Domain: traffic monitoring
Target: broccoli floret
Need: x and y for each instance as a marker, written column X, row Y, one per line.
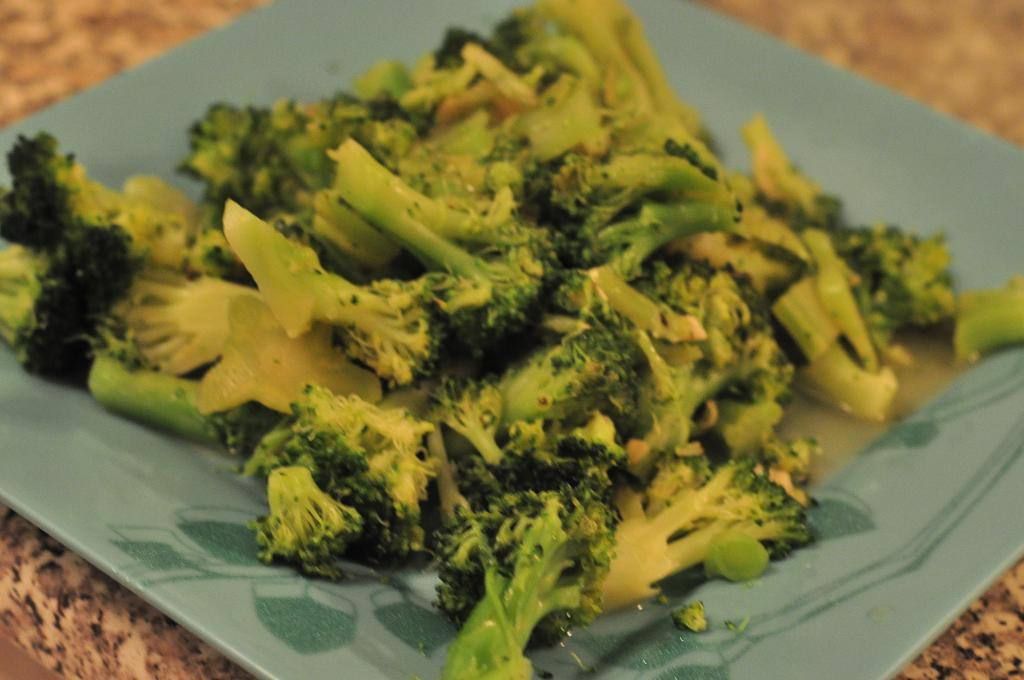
column 989, row 319
column 530, row 565
column 179, row 324
column 485, row 297
column 305, row 525
column 614, row 36
column 273, row 159
column 170, row 403
column 54, row 206
column 474, row 410
column 261, row 363
column 371, row 458
column 670, row 527
column 387, row 325
column 591, row 369
column 690, row 617
column 386, row 79
column 737, row 357
column 905, row 278
column 595, row 191
column 41, row 316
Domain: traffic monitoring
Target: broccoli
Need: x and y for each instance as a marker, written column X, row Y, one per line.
column 904, row 277
column 485, row 297
column 273, row 160
column 261, row 363
column 370, row 458
column 615, row 39
column 171, row 403
column 179, row 324
column 305, row 525
column 738, row 357
column 835, row 378
column 41, row 316
column 783, row 188
column 474, row 409
column 596, row 191
column 989, row 319
column 591, row 369
column 690, row 617
column 670, row 527
column 530, row 565
column 387, row 325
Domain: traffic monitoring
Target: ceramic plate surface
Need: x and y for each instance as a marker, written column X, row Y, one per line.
column 911, row 531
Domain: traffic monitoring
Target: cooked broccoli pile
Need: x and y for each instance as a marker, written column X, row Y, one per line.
column 505, row 308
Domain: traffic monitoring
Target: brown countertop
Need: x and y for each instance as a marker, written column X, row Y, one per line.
column 964, row 57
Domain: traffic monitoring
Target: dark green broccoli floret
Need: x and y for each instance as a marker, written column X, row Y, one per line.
column 591, row 369
column 670, row 526
column 305, row 525
column 370, row 458
column 272, row 160
column 904, row 277
column 169, row 403
column 530, row 565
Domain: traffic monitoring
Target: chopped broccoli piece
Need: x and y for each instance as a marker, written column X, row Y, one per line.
column 371, row 458
column 387, row 325
column 305, row 525
column 170, row 403
column 261, row 363
column 529, row 565
column 989, row 319
column 690, row 617
column 672, row 526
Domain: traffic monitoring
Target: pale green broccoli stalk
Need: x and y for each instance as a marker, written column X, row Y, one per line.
column 170, row 403
column 780, row 184
column 800, row 311
column 305, row 525
column 387, row 325
column 657, row 319
column 833, row 282
column 672, row 525
column 835, row 378
column 987, row 320
column 261, row 363
column 567, row 119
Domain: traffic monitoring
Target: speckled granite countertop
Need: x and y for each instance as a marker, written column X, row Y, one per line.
column 964, row 57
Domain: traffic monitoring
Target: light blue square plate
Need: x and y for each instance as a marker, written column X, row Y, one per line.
column 911, row 531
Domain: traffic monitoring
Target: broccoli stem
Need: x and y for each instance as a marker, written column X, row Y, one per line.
column 342, row 227
column 156, row 399
column 990, row 319
column 400, row 211
column 659, row 321
column 644, row 174
column 837, row 298
column 802, row 314
column 834, row 377
column 657, row 224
